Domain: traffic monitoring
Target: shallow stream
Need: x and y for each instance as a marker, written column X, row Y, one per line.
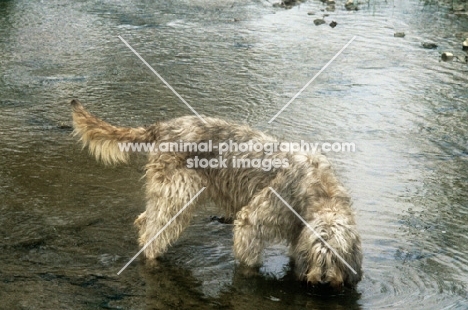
column 66, row 222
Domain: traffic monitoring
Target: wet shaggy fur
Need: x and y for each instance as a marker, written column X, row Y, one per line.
column 308, row 185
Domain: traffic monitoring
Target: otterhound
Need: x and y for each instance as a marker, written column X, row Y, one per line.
column 304, row 180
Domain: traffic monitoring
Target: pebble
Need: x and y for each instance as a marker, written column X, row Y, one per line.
column 319, row 22
column 333, row 24
column 63, row 125
column 458, row 8
column 447, row 56
column 284, row 4
column 429, row 45
column 399, row 34
column 350, row 6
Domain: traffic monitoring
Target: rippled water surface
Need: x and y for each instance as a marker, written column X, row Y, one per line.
column 66, row 221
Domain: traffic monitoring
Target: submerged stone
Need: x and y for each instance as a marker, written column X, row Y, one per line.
column 447, row 56
column 319, row 22
column 429, row 45
column 465, row 45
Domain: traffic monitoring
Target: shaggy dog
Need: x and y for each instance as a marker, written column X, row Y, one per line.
column 304, row 180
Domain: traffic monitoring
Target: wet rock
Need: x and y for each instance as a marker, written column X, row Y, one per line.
column 447, row 56
column 350, row 6
column 310, row 13
column 108, row 259
column 465, row 45
column 333, row 24
column 182, row 55
column 330, row 8
column 429, row 45
column 287, row 4
column 461, row 35
column 319, row 21
column 458, row 7
column 399, row 34
column 282, row 5
column 63, row 125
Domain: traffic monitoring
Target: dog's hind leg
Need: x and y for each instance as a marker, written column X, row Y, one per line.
column 168, row 190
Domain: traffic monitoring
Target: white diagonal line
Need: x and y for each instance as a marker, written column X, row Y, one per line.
column 316, row 234
column 161, row 78
column 315, row 76
column 161, row 230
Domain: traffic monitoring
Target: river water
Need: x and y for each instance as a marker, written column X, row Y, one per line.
column 66, row 221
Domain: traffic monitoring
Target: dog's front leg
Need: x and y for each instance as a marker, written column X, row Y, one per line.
column 262, row 221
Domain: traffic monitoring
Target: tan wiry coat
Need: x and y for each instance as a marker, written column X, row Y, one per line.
column 308, row 185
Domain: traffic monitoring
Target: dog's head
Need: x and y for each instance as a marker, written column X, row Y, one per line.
column 328, row 252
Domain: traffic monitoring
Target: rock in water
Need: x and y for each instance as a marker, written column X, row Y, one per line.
column 319, row 22
column 429, row 45
column 447, row 56
column 399, row 34
column 350, row 6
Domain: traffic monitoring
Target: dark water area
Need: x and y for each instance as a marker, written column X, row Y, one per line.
column 66, row 222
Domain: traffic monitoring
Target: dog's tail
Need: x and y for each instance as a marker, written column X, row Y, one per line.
column 107, row 143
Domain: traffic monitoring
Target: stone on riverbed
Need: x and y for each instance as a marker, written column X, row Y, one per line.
column 429, row 45
column 447, row 56
column 319, row 21
column 350, row 6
